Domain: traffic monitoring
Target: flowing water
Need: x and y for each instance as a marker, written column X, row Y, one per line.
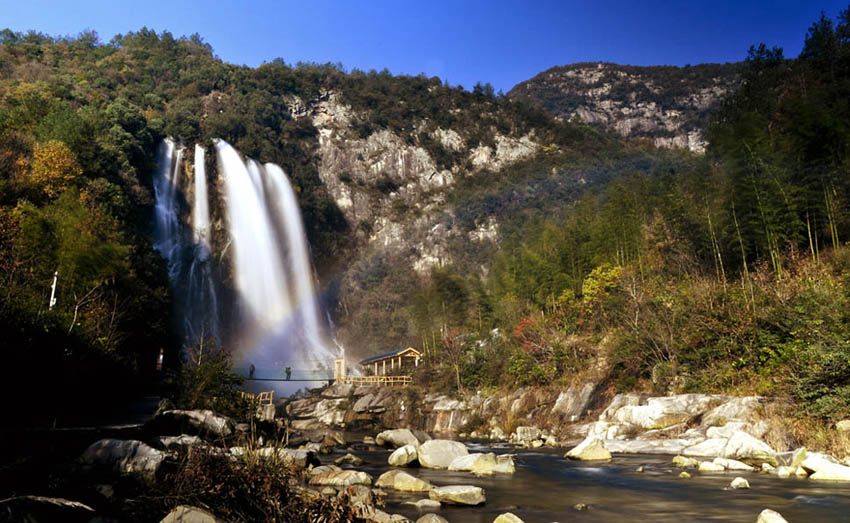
column 275, row 317
column 546, row 487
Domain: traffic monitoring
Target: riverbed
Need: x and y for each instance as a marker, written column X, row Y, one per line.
column 546, row 487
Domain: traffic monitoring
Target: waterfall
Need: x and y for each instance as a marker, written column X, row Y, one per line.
column 201, row 209
column 275, row 316
column 201, row 314
column 168, row 233
column 285, row 203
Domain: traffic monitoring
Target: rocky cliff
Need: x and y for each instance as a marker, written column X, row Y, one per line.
column 670, row 106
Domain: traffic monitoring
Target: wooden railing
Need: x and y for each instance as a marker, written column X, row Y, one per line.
column 377, row 380
column 261, row 398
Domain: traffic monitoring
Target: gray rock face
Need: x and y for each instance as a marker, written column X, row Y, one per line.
column 458, row 495
column 124, row 457
column 38, row 509
column 616, row 97
column 439, row 453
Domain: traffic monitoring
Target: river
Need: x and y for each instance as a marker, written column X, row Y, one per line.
column 546, row 487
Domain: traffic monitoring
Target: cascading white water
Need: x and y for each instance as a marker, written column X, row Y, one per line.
column 285, row 204
column 257, row 268
column 201, row 209
column 168, row 233
column 277, row 312
column 201, row 318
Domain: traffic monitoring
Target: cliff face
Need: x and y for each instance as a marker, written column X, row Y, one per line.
column 670, row 106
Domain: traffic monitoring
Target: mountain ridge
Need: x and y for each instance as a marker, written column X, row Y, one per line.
column 668, row 105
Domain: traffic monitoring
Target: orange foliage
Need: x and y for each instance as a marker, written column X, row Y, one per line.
column 54, row 167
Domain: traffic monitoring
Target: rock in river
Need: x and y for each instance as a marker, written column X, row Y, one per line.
column 402, row 481
column 403, row 456
column 770, row 516
column 458, row 495
column 439, row 453
column 507, row 517
column 478, row 463
column 340, row 478
column 396, row 438
column 591, row 449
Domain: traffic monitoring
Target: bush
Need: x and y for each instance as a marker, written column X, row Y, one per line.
column 243, row 490
column 209, row 382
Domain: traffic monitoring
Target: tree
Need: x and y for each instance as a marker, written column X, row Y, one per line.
column 54, row 168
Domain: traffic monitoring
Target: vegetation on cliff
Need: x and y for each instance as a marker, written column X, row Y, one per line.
column 730, row 274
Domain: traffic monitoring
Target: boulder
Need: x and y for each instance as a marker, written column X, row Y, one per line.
column 40, row 508
column 706, row 449
column 504, row 464
column 525, row 435
column 708, row 466
column 189, row 514
column 742, row 446
column 432, row 518
column 831, row 472
column 387, row 479
column 507, row 517
column 683, row 462
column 739, row 483
column 403, row 456
column 124, row 457
column 340, row 478
column 684, row 475
column 396, row 438
column 181, row 442
column 770, row 516
column 349, row 459
column 198, row 422
column 458, row 495
column 843, row 425
column 405, row 482
column 767, row 468
column 740, row 409
column 733, row 464
column 591, row 449
column 665, row 411
column 573, row 402
column 815, row 461
column 439, row 453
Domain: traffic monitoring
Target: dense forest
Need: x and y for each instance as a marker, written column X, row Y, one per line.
column 729, row 273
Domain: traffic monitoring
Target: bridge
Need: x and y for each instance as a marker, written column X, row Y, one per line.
column 336, row 373
column 288, row 373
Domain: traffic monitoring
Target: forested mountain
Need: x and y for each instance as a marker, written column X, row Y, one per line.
column 518, row 247
column 666, row 105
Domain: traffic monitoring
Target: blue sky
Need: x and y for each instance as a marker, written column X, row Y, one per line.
column 498, row 41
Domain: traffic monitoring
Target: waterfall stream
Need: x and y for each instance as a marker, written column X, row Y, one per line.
column 274, row 316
